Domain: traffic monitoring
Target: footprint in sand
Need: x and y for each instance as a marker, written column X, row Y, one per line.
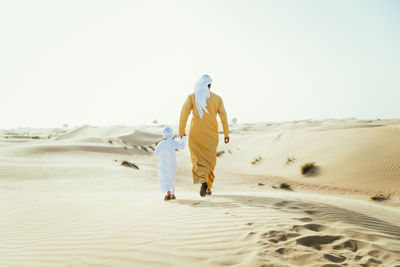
column 280, row 250
column 358, row 257
column 315, row 241
column 250, row 235
column 372, row 260
column 375, row 253
column 312, row 212
column 305, row 219
column 269, row 233
column 335, row 258
column 311, row 226
column 278, row 236
column 350, row 244
column 280, row 204
column 285, row 250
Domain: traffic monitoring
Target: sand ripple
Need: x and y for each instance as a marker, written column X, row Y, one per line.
column 123, row 229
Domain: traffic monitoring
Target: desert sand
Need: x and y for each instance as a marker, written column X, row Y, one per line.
column 66, row 200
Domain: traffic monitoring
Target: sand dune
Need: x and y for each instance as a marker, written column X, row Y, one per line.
column 350, row 155
column 125, row 134
column 66, row 200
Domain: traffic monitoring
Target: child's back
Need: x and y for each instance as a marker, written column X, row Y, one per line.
column 166, row 151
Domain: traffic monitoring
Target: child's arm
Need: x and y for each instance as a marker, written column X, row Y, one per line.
column 181, row 143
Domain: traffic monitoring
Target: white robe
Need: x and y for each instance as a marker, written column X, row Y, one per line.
column 167, row 163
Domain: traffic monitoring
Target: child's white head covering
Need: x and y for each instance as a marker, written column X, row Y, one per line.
column 202, row 93
column 168, row 132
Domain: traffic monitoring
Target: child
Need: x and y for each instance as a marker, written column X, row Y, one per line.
column 166, row 151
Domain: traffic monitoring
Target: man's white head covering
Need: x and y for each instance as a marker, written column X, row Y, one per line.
column 202, row 92
column 168, row 132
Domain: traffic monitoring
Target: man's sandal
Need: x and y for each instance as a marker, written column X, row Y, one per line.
column 203, row 189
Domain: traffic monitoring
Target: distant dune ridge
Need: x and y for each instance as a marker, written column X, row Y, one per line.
column 66, row 200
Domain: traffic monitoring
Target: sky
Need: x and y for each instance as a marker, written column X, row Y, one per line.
column 132, row 62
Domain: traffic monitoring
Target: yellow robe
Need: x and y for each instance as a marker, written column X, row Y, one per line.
column 203, row 136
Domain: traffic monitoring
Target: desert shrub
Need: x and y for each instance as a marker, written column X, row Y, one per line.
column 285, row 186
column 219, row 153
column 308, row 168
column 256, row 160
column 143, row 148
column 380, row 197
column 290, row 160
column 129, row 164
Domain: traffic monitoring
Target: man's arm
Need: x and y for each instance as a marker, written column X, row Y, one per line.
column 224, row 119
column 185, row 112
column 180, row 144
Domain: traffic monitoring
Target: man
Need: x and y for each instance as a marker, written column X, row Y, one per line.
column 203, row 137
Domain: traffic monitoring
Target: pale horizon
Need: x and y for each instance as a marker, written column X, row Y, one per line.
column 132, row 62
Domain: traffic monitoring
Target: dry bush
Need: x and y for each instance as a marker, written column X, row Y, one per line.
column 309, row 168
column 290, row 160
column 380, row 197
column 285, row 186
column 129, row 164
column 143, row 148
column 256, row 160
column 220, row 153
